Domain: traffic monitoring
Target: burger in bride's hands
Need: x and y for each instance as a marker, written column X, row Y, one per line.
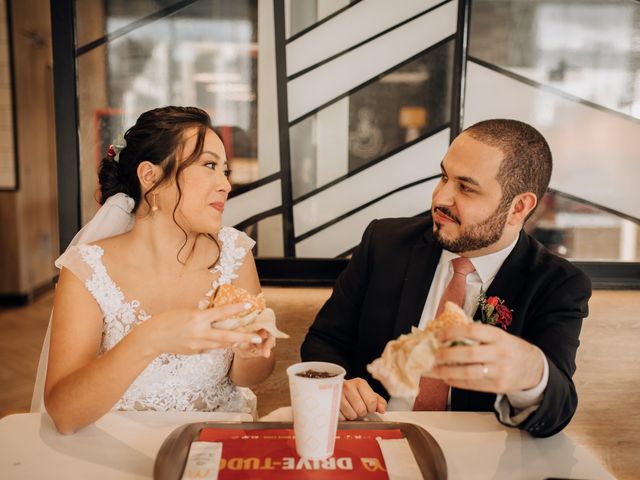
column 411, row 356
column 258, row 318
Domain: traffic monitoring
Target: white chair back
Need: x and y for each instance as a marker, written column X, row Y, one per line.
column 37, row 399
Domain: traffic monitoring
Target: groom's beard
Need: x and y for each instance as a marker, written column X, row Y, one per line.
column 476, row 236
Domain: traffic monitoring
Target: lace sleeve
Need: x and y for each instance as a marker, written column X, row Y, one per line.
column 234, row 246
column 73, row 261
column 245, row 242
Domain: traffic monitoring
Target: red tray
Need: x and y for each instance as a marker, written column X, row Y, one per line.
column 353, row 447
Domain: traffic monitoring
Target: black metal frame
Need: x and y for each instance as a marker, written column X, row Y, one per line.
column 371, row 163
column 595, row 205
column 371, row 80
column 612, row 275
column 460, row 68
column 349, row 213
column 311, row 272
column 299, row 272
column 108, row 37
column 370, row 39
column 320, row 22
column 14, row 118
column 283, row 129
column 66, row 117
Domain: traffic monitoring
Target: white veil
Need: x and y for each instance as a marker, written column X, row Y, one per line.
column 113, row 218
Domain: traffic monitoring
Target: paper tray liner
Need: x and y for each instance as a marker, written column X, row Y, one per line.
column 278, row 445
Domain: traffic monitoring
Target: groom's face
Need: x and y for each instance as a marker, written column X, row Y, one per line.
column 468, row 212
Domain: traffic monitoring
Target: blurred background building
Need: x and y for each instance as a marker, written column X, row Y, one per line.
column 333, row 113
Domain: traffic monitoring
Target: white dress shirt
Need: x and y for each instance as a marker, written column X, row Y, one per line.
column 513, row 408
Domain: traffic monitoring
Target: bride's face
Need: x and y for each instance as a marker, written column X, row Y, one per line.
column 204, row 184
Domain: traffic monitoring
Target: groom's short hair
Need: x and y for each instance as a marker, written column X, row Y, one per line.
column 527, row 163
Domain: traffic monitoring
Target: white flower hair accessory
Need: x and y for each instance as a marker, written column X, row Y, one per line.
column 115, row 148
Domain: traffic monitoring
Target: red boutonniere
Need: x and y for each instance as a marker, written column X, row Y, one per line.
column 494, row 311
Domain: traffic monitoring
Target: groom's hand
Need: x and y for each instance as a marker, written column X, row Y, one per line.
column 499, row 363
column 358, row 399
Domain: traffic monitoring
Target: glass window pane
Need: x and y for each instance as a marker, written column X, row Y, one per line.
column 90, row 21
column 204, row 55
column 97, row 18
column 303, row 14
column 571, row 69
column 268, row 236
column 400, row 107
column 404, row 105
column 587, row 49
column 579, row 231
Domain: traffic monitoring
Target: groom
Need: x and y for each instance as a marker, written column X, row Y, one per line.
column 472, row 242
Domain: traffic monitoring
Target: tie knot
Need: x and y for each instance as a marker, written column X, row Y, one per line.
column 462, row 265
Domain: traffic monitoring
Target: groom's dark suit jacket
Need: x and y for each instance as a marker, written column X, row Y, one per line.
column 382, row 293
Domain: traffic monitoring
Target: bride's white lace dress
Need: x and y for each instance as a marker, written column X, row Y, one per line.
column 170, row 382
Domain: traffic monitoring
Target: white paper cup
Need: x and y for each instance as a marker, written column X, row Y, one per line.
column 316, row 408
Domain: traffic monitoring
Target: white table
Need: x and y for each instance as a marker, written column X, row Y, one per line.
column 477, row 446
column 123, row 445
column 120, row 445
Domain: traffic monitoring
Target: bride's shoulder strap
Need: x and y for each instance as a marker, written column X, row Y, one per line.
column 232, row 239
column 234, row 246
column 81, row 260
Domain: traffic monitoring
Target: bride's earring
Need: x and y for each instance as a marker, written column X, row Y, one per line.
column 154, row 207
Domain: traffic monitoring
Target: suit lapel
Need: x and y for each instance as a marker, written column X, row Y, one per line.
column 417, row 281
column 510, row 280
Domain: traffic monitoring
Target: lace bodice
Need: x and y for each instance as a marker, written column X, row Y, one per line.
column 170, row 382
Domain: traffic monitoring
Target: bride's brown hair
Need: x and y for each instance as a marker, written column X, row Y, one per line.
column 156, row 137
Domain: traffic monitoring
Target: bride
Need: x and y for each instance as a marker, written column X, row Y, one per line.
column 129, row 330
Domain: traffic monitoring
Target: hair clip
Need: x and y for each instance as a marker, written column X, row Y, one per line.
column 113, row 153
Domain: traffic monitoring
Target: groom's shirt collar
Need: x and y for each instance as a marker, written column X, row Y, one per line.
column 486, row 266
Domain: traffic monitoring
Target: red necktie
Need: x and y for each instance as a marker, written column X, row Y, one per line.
column 434, row 392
